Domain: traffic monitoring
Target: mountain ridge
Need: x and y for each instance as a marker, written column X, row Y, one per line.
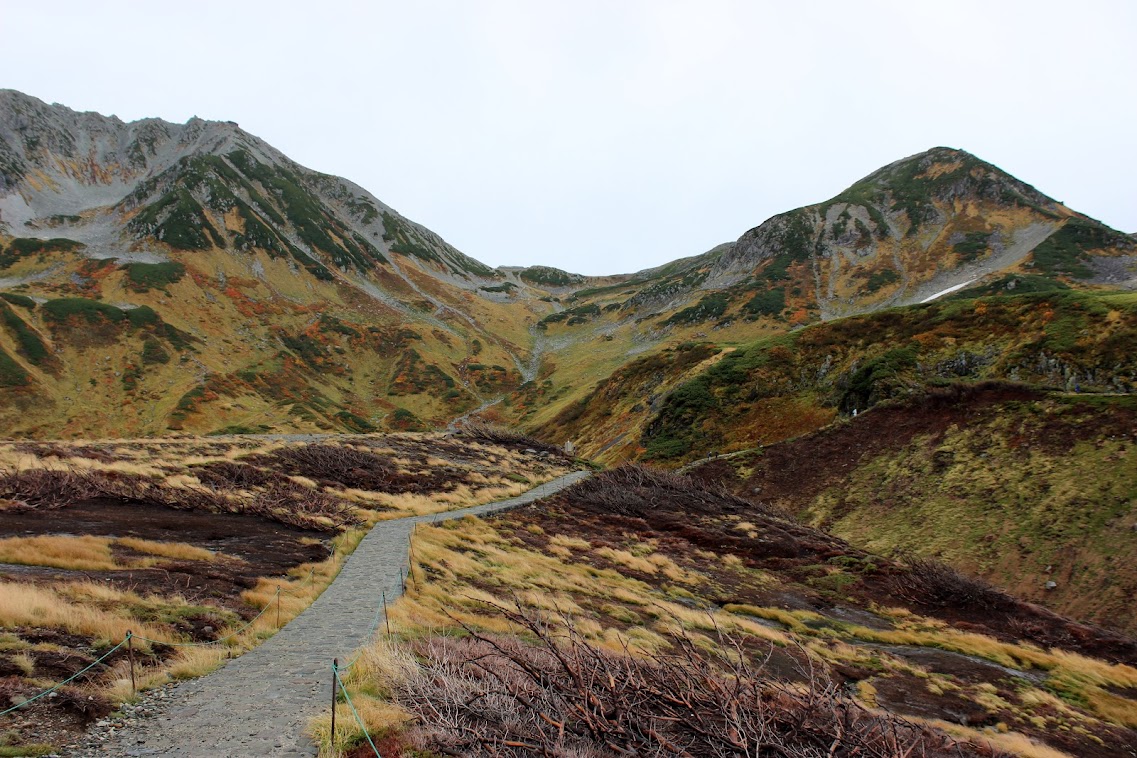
column 264, row 277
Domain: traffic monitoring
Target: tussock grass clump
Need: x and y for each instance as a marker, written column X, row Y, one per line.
column 559, row 695
column 86, row 553
column 497, row 435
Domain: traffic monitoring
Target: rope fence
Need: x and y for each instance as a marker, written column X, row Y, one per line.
column 69, row 679
column 338, row 687
column 128, row 641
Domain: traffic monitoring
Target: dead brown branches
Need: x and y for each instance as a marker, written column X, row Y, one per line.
column 559, row 696
column 298, row 505
column 635, row 490
column 333, row 465
column 48, row 488
column 930, row 583
column 230, row 475
column 480, row 431
column 282, row 500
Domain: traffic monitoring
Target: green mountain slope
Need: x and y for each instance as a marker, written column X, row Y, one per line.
column 788, row 384
column 1022, row 486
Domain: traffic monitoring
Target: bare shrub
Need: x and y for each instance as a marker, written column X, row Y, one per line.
column 297, row 505
column 227, row 474
column 48, row 488
column 931, row 583
column 637, row 490
column 64, row 451
column 283, row 500
column 333, row 465
column 560, row 696
column 479, row 431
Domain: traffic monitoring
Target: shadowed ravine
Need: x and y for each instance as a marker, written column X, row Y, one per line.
column 258, row 704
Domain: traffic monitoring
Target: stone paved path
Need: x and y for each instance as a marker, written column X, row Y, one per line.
column 258, row 704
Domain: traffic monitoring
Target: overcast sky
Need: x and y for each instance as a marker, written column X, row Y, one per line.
column 606, row 137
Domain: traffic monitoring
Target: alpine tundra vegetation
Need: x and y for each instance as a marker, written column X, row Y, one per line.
column 858, row 483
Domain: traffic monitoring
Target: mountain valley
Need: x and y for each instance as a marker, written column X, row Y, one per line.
column 816, row 444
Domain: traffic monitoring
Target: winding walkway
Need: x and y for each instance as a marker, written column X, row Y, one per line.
column 258, row 704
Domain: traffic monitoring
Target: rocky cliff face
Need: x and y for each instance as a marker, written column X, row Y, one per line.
column 921, row 227
column 286, row 289
column 153, row 184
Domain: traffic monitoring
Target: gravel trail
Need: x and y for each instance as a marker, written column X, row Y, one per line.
column 258, row 704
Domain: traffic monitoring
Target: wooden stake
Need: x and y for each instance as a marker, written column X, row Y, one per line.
column 130, row 654
column 278, row 607
column 335, row 685
column 385, row 616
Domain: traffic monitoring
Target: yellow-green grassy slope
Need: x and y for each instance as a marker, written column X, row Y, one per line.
column 1035, row 490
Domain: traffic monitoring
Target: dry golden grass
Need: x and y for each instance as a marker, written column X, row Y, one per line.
column 378, row 670
column 85, row 553
column 600, row 602
column 98, row 610
column 176, row 550
column 472, row 564
column 463, row 496
column 92, row 553
column 573, row 543
column 27, row 605
column 1013, row 742
column 1088, row 678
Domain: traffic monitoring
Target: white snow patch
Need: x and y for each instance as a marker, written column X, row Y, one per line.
column 949, row 290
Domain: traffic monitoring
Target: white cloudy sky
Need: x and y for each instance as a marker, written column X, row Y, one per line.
column 610, row 136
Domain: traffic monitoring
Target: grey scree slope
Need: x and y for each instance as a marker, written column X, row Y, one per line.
column 259, row 703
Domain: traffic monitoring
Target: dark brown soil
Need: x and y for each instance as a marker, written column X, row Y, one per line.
column 261, row 547
column 268, row 548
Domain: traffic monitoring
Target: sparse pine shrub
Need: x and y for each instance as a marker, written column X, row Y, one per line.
column 354, row 422
column 31, row 345
column 549, row 277
column 771, row 302
column 153, row 352
column 144, row 276
column 1064, row 253
column 12, row 374
column 406, row 421
column 974, row 244
column 91, row 311
column 877, row 380
column 880, row 279
column 711, row 306
column 16, row 299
